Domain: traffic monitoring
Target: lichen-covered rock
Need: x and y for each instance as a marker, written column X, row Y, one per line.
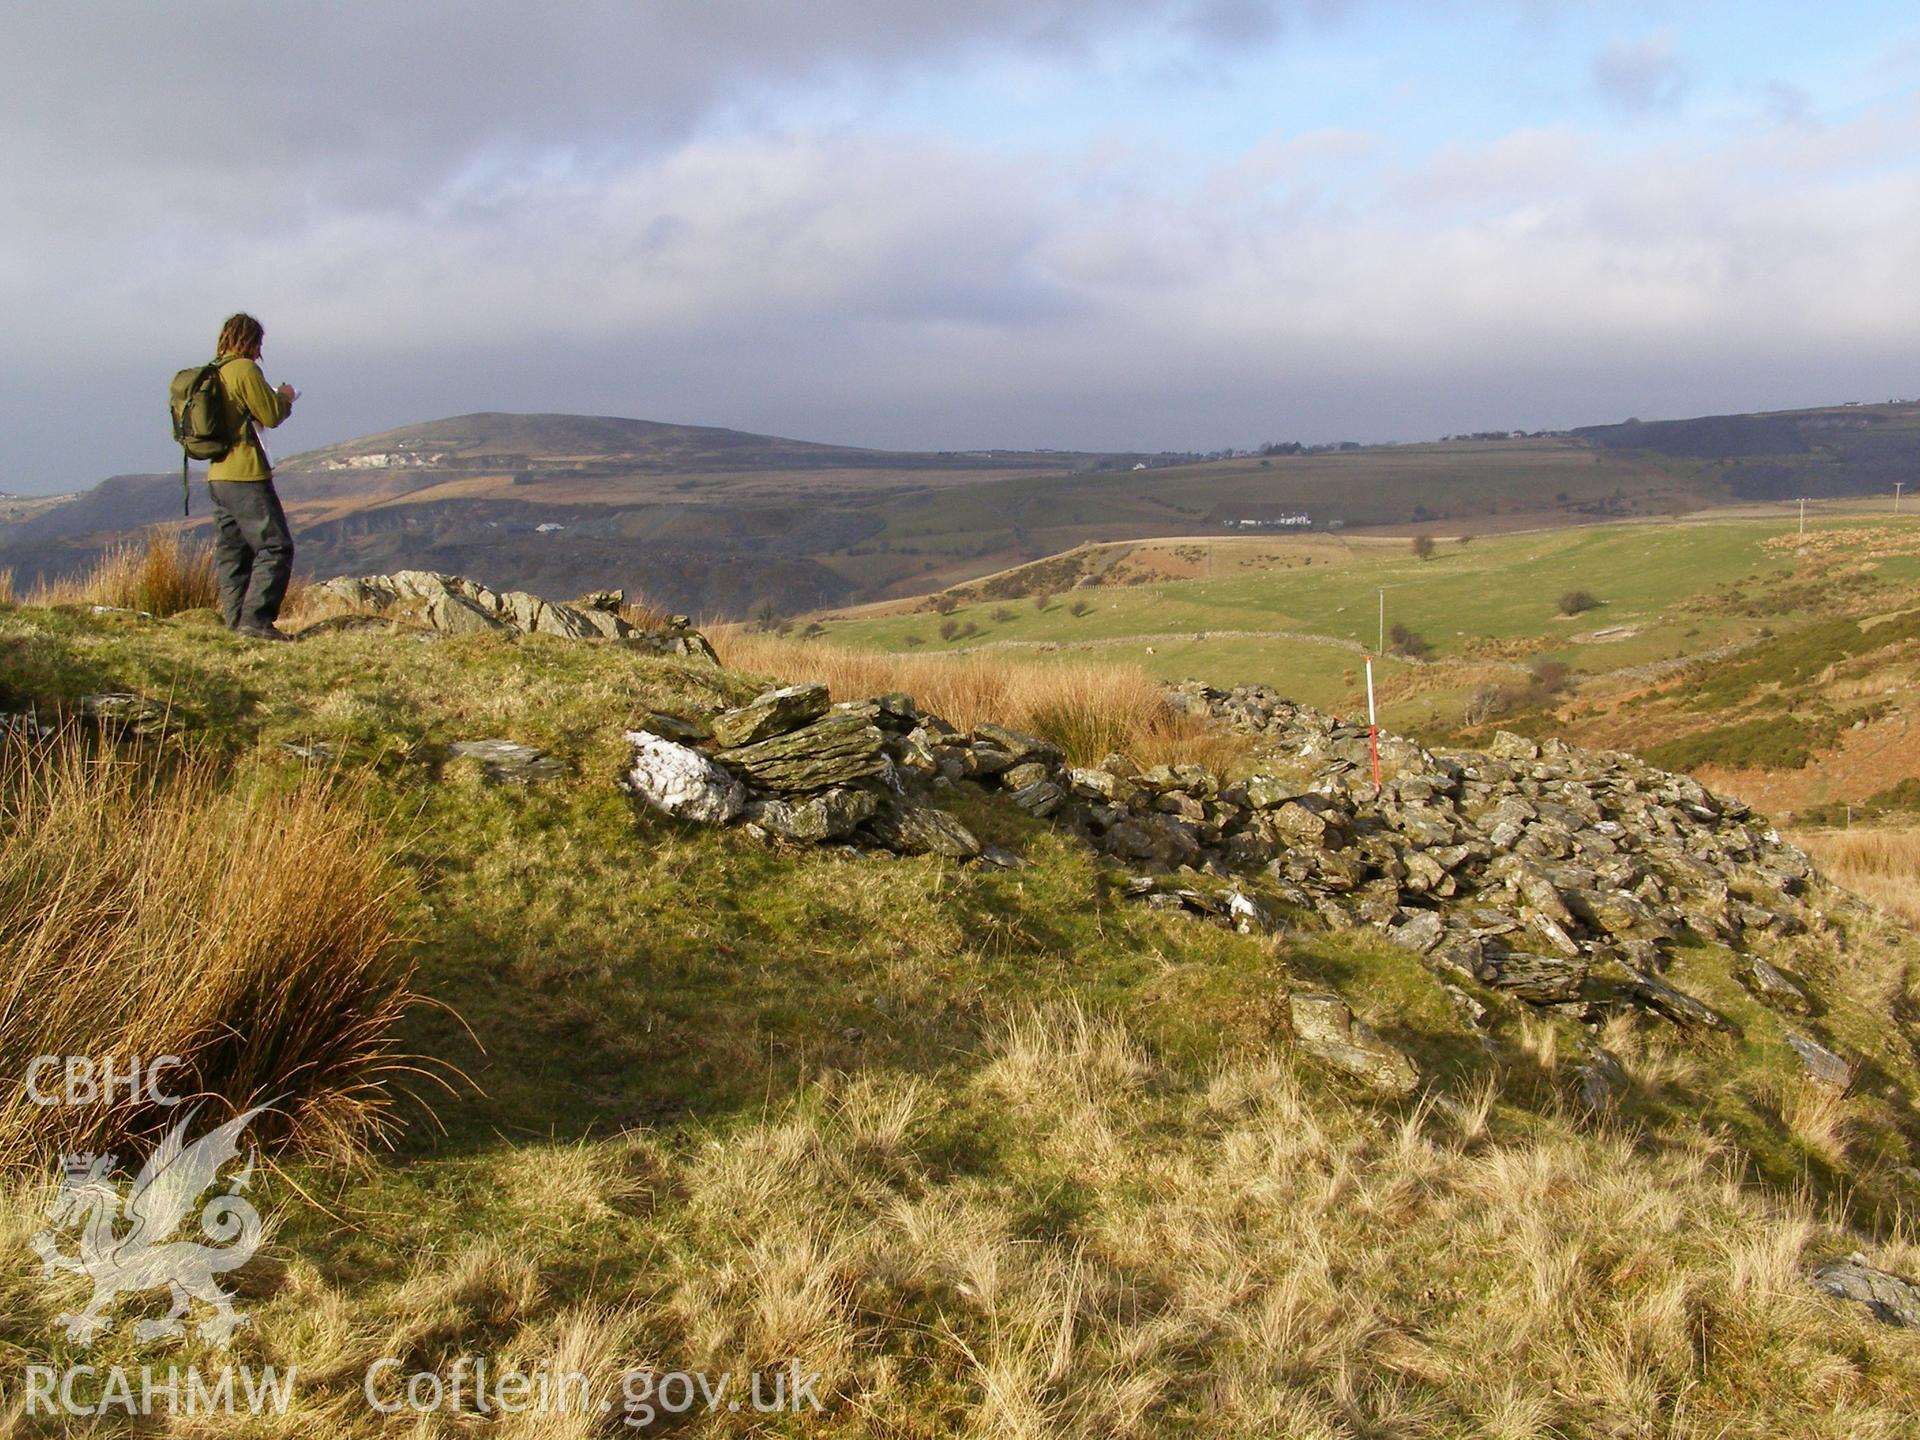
column 687, row 729
column 1097, row 784
column 681, row 781
column 1542, row 979
column 1890, row 1299
column 1014, row 744
column 1603, row 1079
column 923, row 830
column 125, row 713
column 1265, row 792
column 1324, row 1027
column 1420, row 931
column 1041, row 798
column 773, row 713
column 1683, row 1009
column 832, row 815
column 834, row 750
column 1821, row 1064
column 1025, row 773
column 1773, row 986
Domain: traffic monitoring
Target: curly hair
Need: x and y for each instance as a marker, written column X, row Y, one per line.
column 241, row 335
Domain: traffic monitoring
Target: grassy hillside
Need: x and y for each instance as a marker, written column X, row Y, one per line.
column 990, row 1151
column 1694, row 629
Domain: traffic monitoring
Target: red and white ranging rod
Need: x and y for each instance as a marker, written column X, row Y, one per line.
column 1373, row 726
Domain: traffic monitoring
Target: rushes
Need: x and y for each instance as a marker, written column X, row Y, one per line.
column 1087, row 708
column 162, row 575
column 148, row 910
column 1880, row 863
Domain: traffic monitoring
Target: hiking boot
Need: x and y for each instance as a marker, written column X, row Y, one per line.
column 261, row 632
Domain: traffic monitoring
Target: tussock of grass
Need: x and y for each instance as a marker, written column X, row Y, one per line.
column 162, row 574
column 1238, row 1253
column 1087, row 708
column 147, row 909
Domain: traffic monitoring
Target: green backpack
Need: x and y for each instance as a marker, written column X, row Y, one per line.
column 200, row 426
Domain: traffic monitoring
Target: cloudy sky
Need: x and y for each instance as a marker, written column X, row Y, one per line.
column 1077, row 223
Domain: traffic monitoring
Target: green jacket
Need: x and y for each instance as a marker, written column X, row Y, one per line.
column 250, row 401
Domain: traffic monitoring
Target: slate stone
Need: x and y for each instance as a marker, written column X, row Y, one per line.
column 831, row 751
column 1543, row 979
column 1821, row 1064
column 1015, row 744
column 923, row 830
column 1774, row 987
column 508, row 762
column 774, row 713
column 1889, row 1299
column 831, row 815
column 1324, row 1027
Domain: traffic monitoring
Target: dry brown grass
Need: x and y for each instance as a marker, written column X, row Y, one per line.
column 1879, row 862
column 1087, row 707
column 162, row 574
column 149, row 909
column 1149, row 1252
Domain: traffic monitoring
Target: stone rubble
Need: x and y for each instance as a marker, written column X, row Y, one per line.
column 1560, row 877
column 23, row 725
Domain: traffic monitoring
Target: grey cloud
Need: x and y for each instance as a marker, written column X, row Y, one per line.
column 392, row 87
column 460, row 216
column 1642, row 75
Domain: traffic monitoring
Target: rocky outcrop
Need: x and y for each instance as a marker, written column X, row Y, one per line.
column 454, row 605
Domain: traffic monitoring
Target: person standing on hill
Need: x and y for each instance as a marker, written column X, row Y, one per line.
column 253, row 550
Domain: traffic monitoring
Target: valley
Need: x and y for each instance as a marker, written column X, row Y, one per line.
column 722, row 524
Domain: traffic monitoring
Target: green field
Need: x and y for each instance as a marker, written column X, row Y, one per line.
column 1302, row 625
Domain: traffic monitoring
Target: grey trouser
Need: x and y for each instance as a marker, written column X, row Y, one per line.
column 253, row 550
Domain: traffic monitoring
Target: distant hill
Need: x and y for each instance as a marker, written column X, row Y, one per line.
column 603, row 443
column 708, row 520
column 1838, row 450
column 722, row 522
